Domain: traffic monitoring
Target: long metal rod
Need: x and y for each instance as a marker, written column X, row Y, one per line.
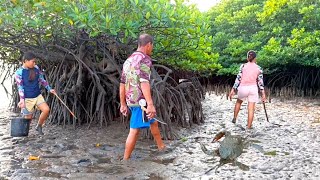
column 144, row 109
column 265, row 110
column 65, row 105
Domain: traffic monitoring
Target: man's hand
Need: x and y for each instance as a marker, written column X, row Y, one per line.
column 124, row 110
column 21, row 104
column 231, row 94
column 53, row 91
column 263, row 98
column 151, row 111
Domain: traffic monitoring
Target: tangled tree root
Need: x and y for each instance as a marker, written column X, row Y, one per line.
column 86, row 74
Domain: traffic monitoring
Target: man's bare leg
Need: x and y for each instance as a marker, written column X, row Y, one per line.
column 29, row 116
column 156, row 135
column 236, row 110
column 251, row 107
column 130, row 143
column 44, row 108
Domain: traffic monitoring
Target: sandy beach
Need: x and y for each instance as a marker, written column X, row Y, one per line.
column 290, row 151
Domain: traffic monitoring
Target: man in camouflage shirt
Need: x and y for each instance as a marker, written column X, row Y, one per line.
column 135, row 86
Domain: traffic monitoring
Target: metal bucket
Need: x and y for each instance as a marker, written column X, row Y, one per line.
column 20, row 127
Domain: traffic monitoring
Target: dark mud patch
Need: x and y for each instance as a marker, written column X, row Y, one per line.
column 104, row 160
column 49, row 174
column 112, row 170
column 154, row 176
column 164, row 161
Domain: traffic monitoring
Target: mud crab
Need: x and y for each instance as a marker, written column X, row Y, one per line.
column 230, row 148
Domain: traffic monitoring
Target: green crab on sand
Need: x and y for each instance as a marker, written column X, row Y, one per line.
column 231, row 147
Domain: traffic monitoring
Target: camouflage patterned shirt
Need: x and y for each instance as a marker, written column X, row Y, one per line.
column 136, row 69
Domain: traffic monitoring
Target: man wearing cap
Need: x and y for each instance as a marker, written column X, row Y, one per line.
column 134, row 86
column 249, row 79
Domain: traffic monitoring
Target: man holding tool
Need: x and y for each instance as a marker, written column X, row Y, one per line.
column 28, row 77
column 135, row 86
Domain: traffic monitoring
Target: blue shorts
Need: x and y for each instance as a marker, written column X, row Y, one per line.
column 136, row 120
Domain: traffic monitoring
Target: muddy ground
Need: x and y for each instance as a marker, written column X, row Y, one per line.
column 290, row 151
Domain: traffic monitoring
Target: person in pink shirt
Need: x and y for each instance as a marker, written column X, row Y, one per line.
column 248, row 83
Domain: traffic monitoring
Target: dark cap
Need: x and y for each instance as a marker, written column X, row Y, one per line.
column 252, row 54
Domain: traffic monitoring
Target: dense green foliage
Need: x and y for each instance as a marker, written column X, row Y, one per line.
column 285, row 33
column 182, row 37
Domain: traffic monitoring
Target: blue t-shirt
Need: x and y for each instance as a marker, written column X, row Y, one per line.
column 27, row 88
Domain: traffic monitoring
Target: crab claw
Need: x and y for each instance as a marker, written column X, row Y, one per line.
column 218, row 136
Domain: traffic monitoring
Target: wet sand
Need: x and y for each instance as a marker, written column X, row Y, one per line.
column 290, row 151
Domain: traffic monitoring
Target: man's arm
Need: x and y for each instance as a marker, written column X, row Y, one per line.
column 261, row 85
column 146, row 90
column 260, row 80
column 238, row 79
column 236, row 83
column 19, row 82
column 42, row 81
column 122, row 94
column 144, row 76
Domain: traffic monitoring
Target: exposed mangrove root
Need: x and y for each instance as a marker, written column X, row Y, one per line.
column 289, row 83
column 85, row 72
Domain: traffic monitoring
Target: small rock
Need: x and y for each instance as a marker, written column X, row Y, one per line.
column 264, row 167
column 20, row 171
column 84, row 162
column 278, row 167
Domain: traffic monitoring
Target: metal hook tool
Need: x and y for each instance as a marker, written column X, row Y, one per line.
column 142, row 104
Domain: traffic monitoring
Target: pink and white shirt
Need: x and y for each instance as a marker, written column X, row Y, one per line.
column 250, row 74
